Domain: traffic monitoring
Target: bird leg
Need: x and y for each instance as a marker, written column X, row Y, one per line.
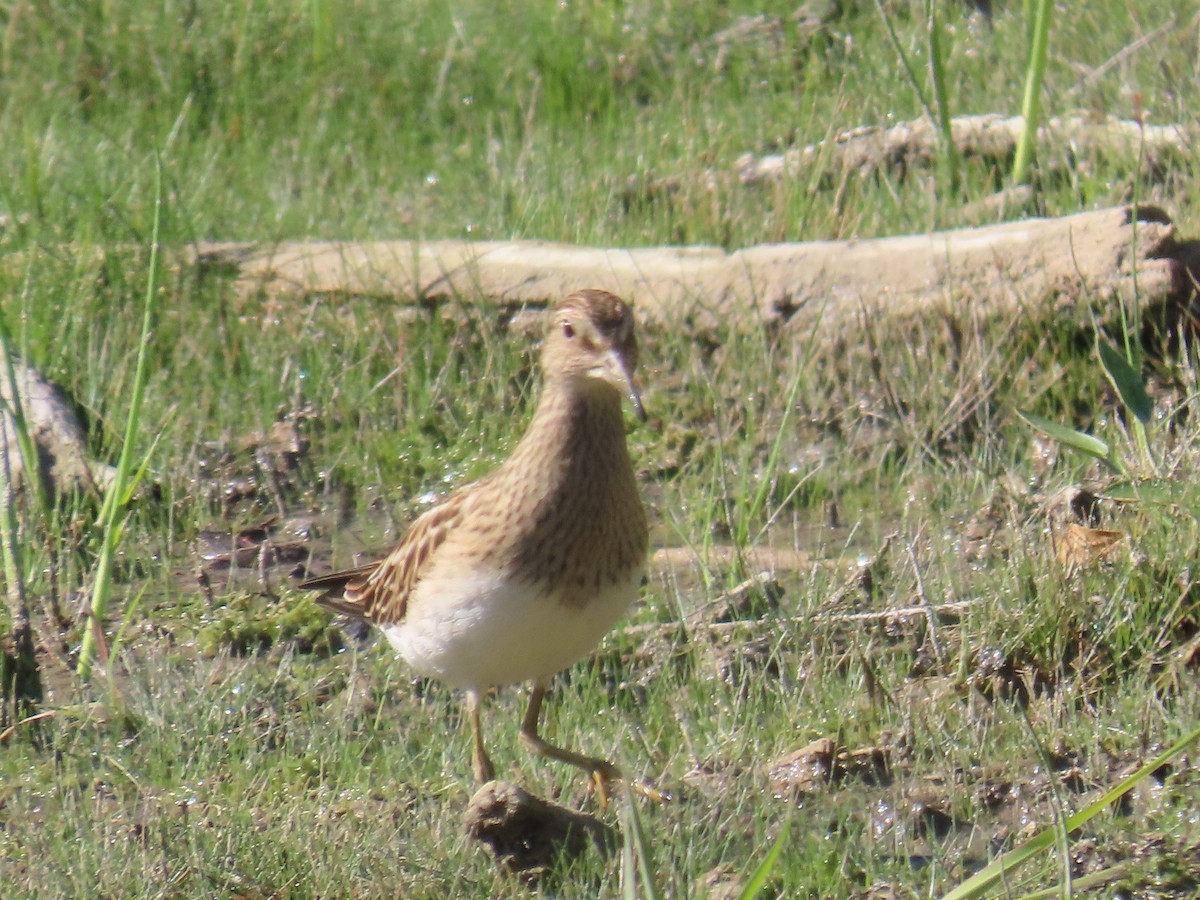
column 601, row 773
column 480, row 763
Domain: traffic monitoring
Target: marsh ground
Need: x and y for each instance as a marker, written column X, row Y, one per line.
column 237, row 743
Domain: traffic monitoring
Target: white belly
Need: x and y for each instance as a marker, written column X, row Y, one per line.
column 479, row 631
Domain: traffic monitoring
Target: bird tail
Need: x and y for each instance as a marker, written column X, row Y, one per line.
column 334, row 587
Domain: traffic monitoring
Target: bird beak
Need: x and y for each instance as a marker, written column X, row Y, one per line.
column 620, row 371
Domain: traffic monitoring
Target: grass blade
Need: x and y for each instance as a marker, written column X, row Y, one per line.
column 322, row 32
column 21, row 690
column 1070, row 437
column 15, row 409
column 125, row 622
column 115, row 504
column 1031, row 104
column 948, row 155
column 913, row 81
column 759, row 879
column 636, row 847
column 1083, row 883
column 1128, row 383
column 987, row 877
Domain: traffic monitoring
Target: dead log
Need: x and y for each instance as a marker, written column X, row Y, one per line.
column 1073, row 266
column 56, row 429
column 992, row 138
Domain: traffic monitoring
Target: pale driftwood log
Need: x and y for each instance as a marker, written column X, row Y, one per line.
column 915, row 145
column 1074, row 266
column 58, row 434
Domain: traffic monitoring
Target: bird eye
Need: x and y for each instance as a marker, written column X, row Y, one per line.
column 568, row 330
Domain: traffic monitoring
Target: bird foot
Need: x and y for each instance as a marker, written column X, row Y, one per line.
column 604, row 775
column 647, row 790
column 601, row 777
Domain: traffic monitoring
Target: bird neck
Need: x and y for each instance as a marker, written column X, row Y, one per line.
column 571, row 480
column 577, row 422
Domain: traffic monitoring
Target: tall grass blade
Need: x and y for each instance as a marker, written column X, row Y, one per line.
column 774, row 460
column 14, row 580
column 948, row 155
column 1032, row 102
column 15, row 409
column 983, row 880
column 117, row 500
column 33, row 178
column 126, row 620
column 22, row 685
column 909, row 72
column 322, row 30
column 636, row 848
column 758, row 880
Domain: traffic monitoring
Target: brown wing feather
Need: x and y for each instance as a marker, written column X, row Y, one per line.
column 379, row 592
column 334, row 585
column 336, row 581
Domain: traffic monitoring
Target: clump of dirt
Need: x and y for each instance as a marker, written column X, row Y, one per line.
column 527, row 835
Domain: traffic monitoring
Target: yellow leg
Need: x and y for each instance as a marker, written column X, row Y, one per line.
column 601, row 772
column 480, row 763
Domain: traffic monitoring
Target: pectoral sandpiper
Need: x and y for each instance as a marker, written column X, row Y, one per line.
column 518, row 575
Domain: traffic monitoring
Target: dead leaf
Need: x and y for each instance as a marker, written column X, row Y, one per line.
column 1080, row 546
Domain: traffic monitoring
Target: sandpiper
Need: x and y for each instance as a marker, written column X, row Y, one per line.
column 518, row 575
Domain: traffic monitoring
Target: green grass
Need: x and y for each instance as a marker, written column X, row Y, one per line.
column 300, row 770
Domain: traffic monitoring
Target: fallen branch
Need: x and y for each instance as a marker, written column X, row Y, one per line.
column 773, row 623
column 1073, row 266
column 992, row 137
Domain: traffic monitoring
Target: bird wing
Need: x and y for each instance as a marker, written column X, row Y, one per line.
column 379, row 592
